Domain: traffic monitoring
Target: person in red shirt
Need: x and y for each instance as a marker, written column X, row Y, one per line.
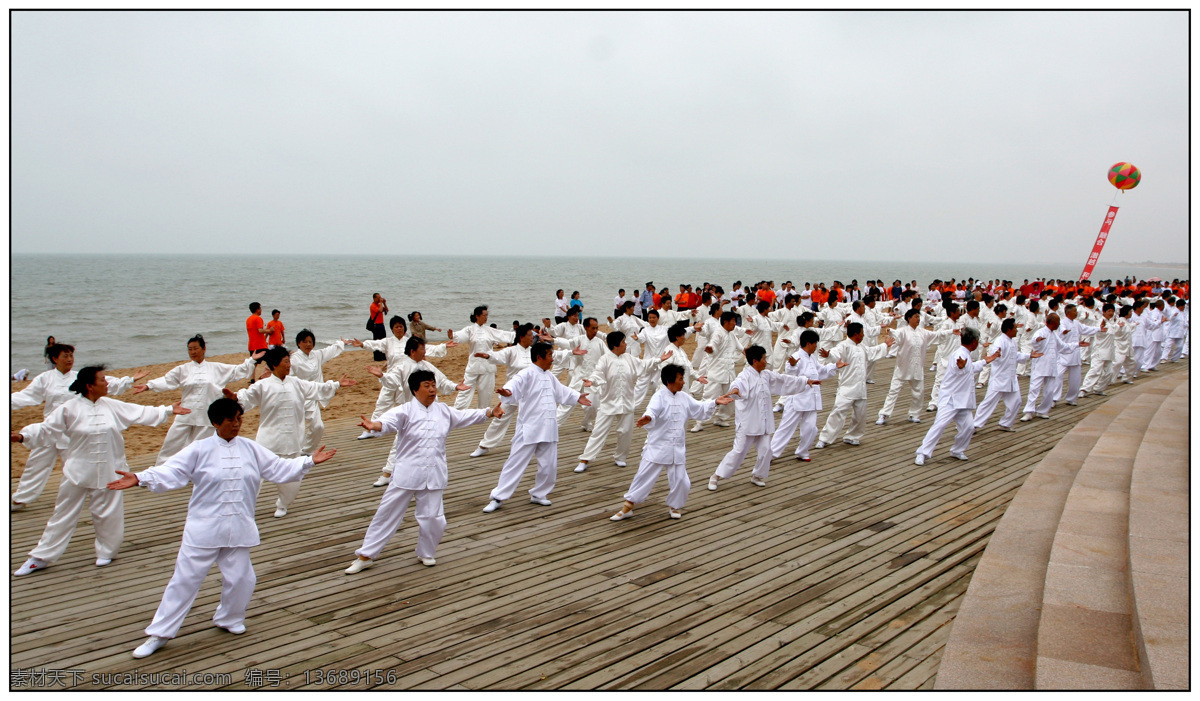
column 255, row 331
column 378, row 329
column 274, row 330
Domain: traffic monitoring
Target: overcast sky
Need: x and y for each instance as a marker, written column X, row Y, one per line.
column 910, row 136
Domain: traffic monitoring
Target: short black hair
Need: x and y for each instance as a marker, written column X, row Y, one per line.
column 196, row 339
column 58, row 349
column 540, row 350
column 304, row 333
column 275, row 356
column 223, row 408
column 854, row 329
column 412, row 344
column 416, row 378
column 809, row 336
column 255, row 306
column 397, row 319
column 755, row 354
column 1007, row 325
column 85, row 377
column 614, row 339
column 670, row 373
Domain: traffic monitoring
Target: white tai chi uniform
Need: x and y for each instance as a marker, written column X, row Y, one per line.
column 395, row 392
column 1069, row 361
column 220, row 527
column 393, row 348
column 631, row 326
column 727, row 348
column 281, row 418
column 1044, row 369
column 1155, row 335
column 515, row 359
column 565, row 331
column 1125, row 363
column 614, row 382
column 666, row 446
column 94, row 451
column 581, row 367
column 308, row 366
column 1176, row 332
column 538, row 393
column 955, row 405
column 1100, row 370
column 910, row 366
column 654, row 344
column 1002, row 384
column 801, row 409
column 52, row 389
column 201, row 385
column 754, row 420
column 420, row 472
column 479, row 373
column 851, row 398
column 946, row 349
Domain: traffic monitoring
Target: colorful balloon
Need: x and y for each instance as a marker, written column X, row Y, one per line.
column 1124, row 176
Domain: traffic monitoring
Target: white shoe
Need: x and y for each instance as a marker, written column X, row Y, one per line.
column 235, row 629
column 931, row 407
column 674, row 514
column 102, row 561
column 881, row 420
column 914, row 419
column 1071, row 403
column 960, row 456
column 920, row 459
column 712, row 483
column 1008, row 429
column 620, row 463
column 359, row 565
column 492, row 506
column 978, row 385
column 15, row 506
column 697, row 427
column 1026, row 417
column 480, row 451
column 581, row 467
column 33, row 564
column 819, row 445
column 621, row 515
column 280, row 511
column 383, row 481
column 803, row 458
column 1100, row 394
column 870, row 382
column 722, row 424
column 933, row 368
column 149, row 647
column 1043, row 416
column 1128, row 382
column 757, row 482
column 369, row 434
column 540, row 502
column 427, row 561
column 778, row 408
column 849, row 441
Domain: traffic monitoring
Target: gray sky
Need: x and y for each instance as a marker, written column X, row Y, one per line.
column 909, row 136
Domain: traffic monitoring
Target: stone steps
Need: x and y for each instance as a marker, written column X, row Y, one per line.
column 1054, row 578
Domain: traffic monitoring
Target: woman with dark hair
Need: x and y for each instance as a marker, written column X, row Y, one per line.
column 91, row 425
column 53, row 389
column 417, row 325
column 308, row 364
column 200, row 383
column 50, row 342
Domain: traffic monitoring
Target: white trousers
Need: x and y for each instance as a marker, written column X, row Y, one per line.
column 916, row 391
column 678, row 484
column 287, row 490
column 855, row 409
column 514, row 469
column 314, row 429
column 1012, row 407
column 1070, row 376
column 712, row 390
column 494, row 435
column 1099, row 376
column 937, row 383
column 604, row 423
column 1152, row 355
column 959, row 417
column 589, row 412
column 482, row 382
column 108, row 518
column 38, row 467
column 180, row 436
column 806, row 421
column 1172, row 349
column 741, row 447
column 191, row 567
column 431, row 520
column 1040, row 384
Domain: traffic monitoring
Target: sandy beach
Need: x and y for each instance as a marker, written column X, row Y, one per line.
column 349, row 402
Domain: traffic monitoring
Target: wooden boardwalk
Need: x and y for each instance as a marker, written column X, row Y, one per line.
column 845, row 572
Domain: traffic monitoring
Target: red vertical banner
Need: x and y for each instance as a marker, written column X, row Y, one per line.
column 1091, row 261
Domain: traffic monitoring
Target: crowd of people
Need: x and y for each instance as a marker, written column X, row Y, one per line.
column 759, row 351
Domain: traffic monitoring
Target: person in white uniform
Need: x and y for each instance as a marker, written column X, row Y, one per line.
column 52, row 389
column 592, row 341
column 91, row 425
column 956, row 401
column 1177, row 332
column 308, row 364
column 421, row 427
column 1154, row 325
column 665, row 421
column 851, row 398
column 281, row 400
column 630, row 325
column 614, row 381
column 724, row 348
column 946, row 349
column 1100, row 370
column 226, row 472
column 538, row 393
column 801, row 409
column 1125, row 362
column 655, row 341
column 1069, row 362
column 200, row 383
column 480, row 375
column 1044, row 368
column 913, row 343
column 755, row 423
column 1002, row 384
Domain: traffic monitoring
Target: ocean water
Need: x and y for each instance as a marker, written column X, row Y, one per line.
column 127, row 311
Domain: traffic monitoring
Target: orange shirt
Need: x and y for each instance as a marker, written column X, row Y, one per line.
column 276, row 329
column 257, row 341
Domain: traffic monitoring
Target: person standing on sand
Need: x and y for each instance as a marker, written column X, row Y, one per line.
column 375, row 323
column 274, row 330
column 479, row 375
column 256, row 332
